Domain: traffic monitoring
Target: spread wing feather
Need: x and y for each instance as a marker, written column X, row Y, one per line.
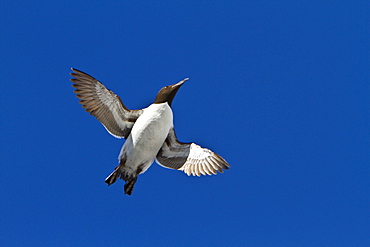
column 189, row 157
column 103, row 104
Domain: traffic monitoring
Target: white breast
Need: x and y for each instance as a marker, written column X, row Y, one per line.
column 147, row 136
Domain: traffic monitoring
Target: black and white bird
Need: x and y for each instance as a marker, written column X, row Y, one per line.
column 149, row 133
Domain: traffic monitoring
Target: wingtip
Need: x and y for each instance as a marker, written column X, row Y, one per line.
column 76, row 71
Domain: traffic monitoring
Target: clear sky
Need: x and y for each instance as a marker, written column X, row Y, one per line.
column 279, row 89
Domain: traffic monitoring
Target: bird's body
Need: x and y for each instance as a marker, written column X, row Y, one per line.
column 147, row 136
column 149, row 133
column 142, row 145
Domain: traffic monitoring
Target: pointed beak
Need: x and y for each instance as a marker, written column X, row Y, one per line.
column 179, row 84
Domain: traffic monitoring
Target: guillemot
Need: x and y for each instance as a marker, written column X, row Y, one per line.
column 149, row 133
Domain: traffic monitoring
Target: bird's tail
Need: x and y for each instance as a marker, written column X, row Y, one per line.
column 118, row 173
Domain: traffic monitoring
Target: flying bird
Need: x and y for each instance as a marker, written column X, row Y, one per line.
column 149, row 133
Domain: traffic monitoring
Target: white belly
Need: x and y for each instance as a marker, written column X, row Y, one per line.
column 147, row 136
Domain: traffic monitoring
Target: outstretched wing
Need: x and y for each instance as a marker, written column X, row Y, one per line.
column 189, row 157
column 103, row 104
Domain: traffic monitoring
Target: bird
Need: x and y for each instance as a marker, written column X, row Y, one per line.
column 149, row 133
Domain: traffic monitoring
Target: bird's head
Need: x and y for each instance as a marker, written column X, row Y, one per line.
column 167, row 93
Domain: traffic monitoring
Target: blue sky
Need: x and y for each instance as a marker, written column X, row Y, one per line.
column 279, row 89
